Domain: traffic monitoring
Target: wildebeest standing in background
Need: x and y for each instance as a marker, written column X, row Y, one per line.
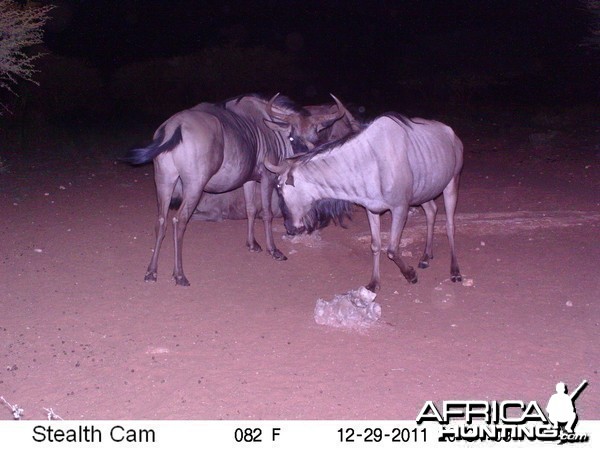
column 217, row 148
column 232, row 205
column 390, row 165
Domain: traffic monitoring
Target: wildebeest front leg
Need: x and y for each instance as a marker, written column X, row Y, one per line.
column 267, row 186
column 398, row 220
column 374, row 225
column 430, row 209
column 178, row 232
column 249, row 193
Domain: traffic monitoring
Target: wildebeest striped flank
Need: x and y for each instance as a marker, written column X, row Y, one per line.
column 231, row 205
column 217, row 148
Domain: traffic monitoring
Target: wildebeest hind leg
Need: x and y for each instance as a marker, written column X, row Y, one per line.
column 165, row 178
column 430, row 209
column 249, row 193
column 450, row 199
column 398, row 219
column 160, row 229
column 191, row 198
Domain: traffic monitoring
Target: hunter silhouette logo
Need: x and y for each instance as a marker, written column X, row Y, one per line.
column 561, row 407
column 508, row 420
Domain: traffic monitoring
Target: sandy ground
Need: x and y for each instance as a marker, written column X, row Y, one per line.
column 80, row 332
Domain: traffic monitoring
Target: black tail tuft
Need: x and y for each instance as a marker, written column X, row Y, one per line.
column 144, row 155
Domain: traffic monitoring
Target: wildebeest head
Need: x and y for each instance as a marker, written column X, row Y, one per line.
column 315, row 126
column 340, row 128
column 303, row 130
column 296, row 203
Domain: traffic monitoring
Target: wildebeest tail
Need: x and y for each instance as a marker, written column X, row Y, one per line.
column 144, row 155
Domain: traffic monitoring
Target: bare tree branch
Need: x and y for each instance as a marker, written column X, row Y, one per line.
column 20, row 28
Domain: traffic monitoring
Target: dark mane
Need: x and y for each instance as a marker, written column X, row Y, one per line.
column 325, row 211
column 399, row 118
column 328, row 146
column 281, row 101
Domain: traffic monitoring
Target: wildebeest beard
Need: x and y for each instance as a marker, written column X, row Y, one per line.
column 322, row 213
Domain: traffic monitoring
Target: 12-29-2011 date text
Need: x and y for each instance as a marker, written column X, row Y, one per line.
column 376, row 434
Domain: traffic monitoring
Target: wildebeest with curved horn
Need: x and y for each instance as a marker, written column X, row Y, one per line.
column 232, row 205
column 392, row 164
column 220, row 147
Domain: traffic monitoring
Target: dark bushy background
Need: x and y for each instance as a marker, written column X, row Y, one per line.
column 126, row 66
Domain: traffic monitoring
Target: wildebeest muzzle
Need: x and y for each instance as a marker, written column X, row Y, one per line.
column 294, row 231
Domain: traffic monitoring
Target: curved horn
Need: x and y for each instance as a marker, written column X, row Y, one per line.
column 274, row 114
column 354, row 124
column 341, row 107
column 326, row 120
column 274, row 168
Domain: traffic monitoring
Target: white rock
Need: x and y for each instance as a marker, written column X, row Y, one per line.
column 468, row 282
column 354, row 309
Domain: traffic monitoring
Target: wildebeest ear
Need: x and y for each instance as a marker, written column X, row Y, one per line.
column 290, row 180
column 277, row 126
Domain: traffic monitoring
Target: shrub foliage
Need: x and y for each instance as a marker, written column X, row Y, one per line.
column 21, row 27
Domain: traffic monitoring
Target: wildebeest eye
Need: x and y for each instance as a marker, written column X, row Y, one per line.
column 291, row 139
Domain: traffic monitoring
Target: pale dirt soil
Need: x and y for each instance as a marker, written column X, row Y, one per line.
column 80, row 332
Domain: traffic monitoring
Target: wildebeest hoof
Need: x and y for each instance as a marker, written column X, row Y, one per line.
column 181, row 280
column 278, row 255
column 373, row 286
column 456, row 278
column 411, row 275
column 424, row 262
column 150, row 277
column 254, row 247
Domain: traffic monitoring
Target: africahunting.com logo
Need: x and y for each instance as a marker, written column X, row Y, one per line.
column 509, row 420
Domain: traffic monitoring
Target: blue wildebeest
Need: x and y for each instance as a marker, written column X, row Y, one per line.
column 232, row 205
column 393, row 163
column 217, row 148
